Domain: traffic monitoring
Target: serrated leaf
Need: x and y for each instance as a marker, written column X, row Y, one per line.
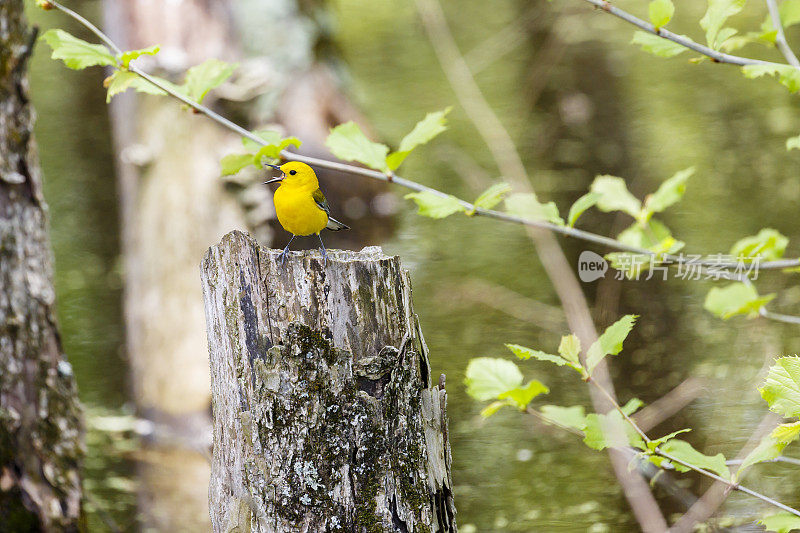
column 669, row 192
column 788, row 75
column 684, row 451
column 347, row 142
column 631, row 406
column 570, row 348
column 527, row 353
column 610, row 342
column 658, row 46
column 572, row 417
column 130, row 55
column 426, row 129
column 782, row 522
column 717, row 13
column 202, row 78
column 580, row 206
column 661, row 12
column 652, row 235
column 771, row 445
column 619, row 433
column 492, row 196
column 768, row 245
column 488, row 377
column 233, row 163
column 495, row 406
column 522, row 396
column 789, row 12
column 122, row 80
column 526, row 205
column 735, row 299
column 781, row 389
column 793, row 143
column 653, row 444
column 434, row 205
column 273, row 151
column 76, row 53
column 614, row 196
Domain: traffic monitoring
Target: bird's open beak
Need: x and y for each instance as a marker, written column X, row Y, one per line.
column 279, row 178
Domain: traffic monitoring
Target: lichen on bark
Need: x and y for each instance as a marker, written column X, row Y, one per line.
column 324, row 417
column 41, row 444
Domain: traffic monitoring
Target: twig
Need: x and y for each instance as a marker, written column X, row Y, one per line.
column 664, row 259
column 717, row 56
column 780, row 38
column 508, row 160
column 730, row 484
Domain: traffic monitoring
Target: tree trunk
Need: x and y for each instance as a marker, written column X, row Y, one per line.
column 324, row 417
column 40, row 421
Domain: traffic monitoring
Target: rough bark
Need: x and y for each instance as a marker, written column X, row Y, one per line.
column 40, row 419
column 324, row 415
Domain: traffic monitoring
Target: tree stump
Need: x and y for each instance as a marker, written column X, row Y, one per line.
column 324, row 415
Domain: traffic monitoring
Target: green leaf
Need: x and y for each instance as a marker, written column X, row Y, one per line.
column 631, row 406
column 522, row 396
column 669, row 192
column 273, row 151
column 434, row 205
column 771, row 445
column 658, row 46
column 652, row 235
column 683, row 450
column 571, row 417
column 653, row 444
column 426, row 129
column 130, row 55
column 233, row 163
column 661, row 12
column 768, row 245
column 580, row 206
column 487, row 377
column 718, row 12
column 122, row 80
column 781, row 389
column 788, row 75
column 492, row 196
column 493, row 407
column 735, row 299
column 789, row 12
column 570, row 349
column 782, row 522
column 793, row 142
column 206, row 76
column 610, row 342
column 76, row 53
column 526, row 205
column 620, row 433
column 527, row 353
column 614, row 196
column 347, row 142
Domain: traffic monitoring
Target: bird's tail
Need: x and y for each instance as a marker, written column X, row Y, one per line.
column 335, row 225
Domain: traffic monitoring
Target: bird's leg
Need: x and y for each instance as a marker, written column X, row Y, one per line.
column 324, row 253
column 282, row 258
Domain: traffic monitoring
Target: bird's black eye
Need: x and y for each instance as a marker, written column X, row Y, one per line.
column 292, row 172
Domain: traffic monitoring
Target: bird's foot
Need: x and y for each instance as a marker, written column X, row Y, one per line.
column 282, row 258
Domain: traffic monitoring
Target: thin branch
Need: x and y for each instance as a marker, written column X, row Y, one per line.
column 722, row 267
column 730, row 484
column 780, row 38
column 661, row 259
column 716, row 55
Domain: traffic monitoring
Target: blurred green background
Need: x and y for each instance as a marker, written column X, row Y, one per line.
column 579, row 101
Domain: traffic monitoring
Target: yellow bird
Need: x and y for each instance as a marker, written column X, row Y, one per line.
column 300, row 205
